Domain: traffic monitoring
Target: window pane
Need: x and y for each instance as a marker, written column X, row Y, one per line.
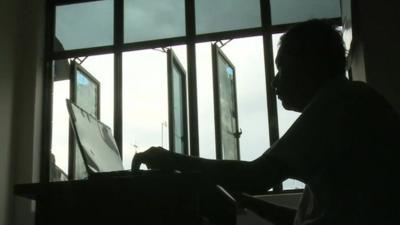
column 101, row 67
column 292, row 11
column 145, row 100
column 224, row 15
column 178, row 109
column 153, row 19
column 86, row 91
column 247, row 56
column 60, row 123
column 227, row 101
column 205, row 101
column 84, row 25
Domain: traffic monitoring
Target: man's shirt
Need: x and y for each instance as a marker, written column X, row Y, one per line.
column 345, row 147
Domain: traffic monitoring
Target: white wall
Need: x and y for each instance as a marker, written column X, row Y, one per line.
column 21, row 60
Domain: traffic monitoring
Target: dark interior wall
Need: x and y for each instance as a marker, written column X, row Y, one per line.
column 28, row 104
column 21, row 63
column 376, row 33
column 8, row 21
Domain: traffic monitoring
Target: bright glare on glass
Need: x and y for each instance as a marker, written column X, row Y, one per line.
column 205, row 101
column 59, row 145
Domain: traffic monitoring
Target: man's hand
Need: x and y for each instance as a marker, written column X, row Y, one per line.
column 154, row 158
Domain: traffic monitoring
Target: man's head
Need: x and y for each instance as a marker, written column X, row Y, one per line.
column 310, row 54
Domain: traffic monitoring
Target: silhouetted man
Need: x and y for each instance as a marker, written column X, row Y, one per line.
column 343, row 146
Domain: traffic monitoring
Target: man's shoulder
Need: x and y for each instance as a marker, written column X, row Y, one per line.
column 366, row 95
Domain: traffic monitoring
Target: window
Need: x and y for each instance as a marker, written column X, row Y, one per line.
column 145, row 106
column 124, row 45
column 247, row 56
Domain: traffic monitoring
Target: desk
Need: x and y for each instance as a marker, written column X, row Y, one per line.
column 145, row 200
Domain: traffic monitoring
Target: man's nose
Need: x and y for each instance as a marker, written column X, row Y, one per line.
column 275, row 82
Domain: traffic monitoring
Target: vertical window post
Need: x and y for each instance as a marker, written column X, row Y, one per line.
column 192, row 77
column 269, row 73
column 118, row 42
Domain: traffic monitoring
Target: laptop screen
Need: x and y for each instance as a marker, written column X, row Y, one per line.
column 95, row 141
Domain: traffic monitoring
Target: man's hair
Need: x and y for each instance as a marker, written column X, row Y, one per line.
column 318, row 45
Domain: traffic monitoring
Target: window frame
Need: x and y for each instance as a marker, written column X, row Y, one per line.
column 190, row 40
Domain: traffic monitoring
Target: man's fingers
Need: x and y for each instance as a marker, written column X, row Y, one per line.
column 154, row 158
column 136, row 161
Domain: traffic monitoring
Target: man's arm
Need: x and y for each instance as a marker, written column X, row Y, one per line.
column 237, row 176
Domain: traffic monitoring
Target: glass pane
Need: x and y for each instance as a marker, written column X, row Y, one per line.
column 247, row 56
column 153, row 19
column 178, row 104
column 224, row 15
column 102, row 69
column 87, row 91
column 86, row 96
column 292, row 11
column 227, row 107
column 84, row 25
column 285, row 118
column 205, row 101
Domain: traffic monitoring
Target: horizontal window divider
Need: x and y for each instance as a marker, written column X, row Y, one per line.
column 69, row 2
column 228, row 35
column 160, row 43
column 83, row 52
column 280, row 28
column 175, row 41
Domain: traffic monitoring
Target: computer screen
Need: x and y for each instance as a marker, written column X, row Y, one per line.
column 95, row 140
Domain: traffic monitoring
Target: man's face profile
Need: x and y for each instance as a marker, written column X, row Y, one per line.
column 291, row 83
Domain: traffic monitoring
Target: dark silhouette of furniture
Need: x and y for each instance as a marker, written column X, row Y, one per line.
column 145, row 200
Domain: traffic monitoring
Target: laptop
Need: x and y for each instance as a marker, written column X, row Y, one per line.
column 97, row 144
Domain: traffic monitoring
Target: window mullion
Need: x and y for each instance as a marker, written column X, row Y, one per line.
column 118, row 43
column 192, row 77
column 269, row 75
